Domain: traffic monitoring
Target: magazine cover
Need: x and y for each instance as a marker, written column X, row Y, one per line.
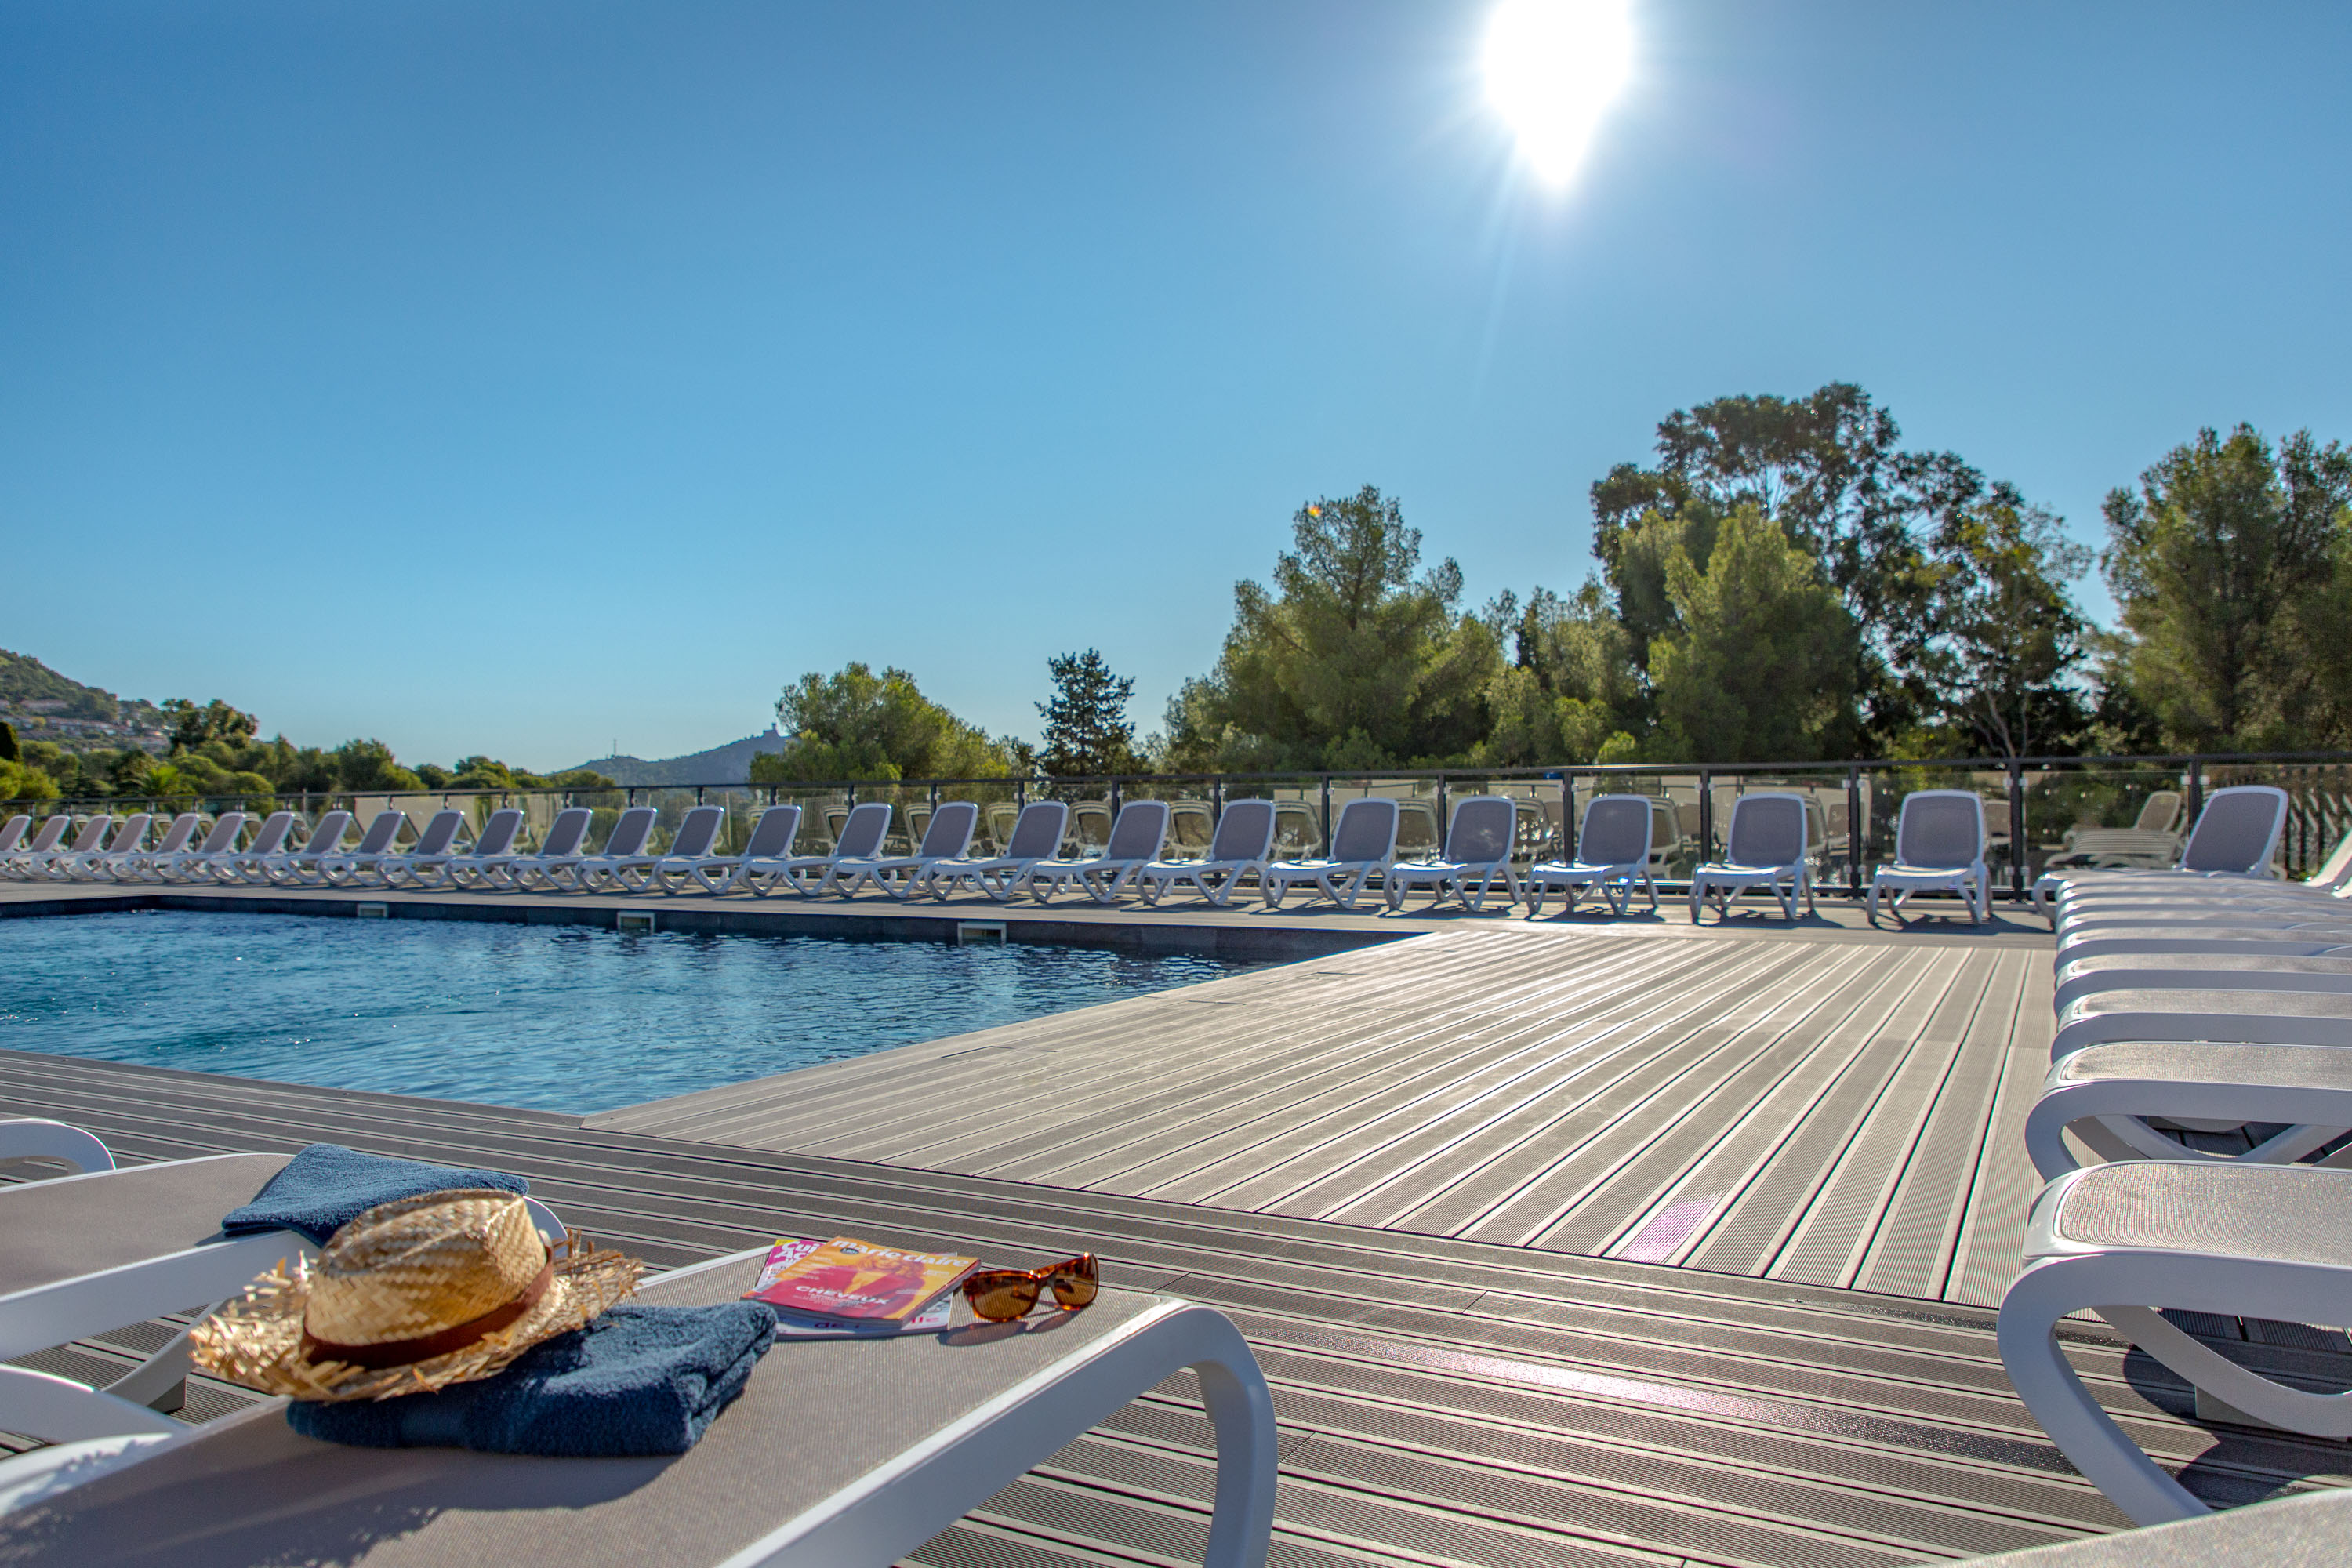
column 855, row 1281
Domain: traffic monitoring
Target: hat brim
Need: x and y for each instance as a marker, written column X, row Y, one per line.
column 257, row 1342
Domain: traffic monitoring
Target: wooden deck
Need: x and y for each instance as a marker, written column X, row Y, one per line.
column 1581, row 1244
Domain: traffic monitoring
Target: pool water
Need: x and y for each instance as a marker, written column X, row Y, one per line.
column 565, row 1019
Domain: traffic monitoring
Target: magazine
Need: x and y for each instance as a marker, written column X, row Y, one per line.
column 845, row 1286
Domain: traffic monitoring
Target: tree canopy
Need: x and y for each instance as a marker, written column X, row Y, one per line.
column 855, row 724
column 1087, row 731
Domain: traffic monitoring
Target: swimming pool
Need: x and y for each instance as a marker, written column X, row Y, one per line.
column 569, row 1018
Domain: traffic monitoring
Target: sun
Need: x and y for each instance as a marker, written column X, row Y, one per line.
column 1553, row 68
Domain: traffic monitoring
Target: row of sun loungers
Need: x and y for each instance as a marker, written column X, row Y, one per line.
column 2203, row 1050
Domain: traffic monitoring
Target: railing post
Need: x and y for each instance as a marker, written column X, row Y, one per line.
column 1327, row 814
column 2196, row 789
column 698, row 794
column 1442, row 797
column 1115, row 797
column 2018, row 844
column 1854, row 825
column 1705, row 815
column 1216, row 803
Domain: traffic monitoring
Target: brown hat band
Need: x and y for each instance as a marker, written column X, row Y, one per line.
column 424, row 1347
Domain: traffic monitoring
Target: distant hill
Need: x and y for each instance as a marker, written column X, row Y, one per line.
column 31, row 690
column 729, row 763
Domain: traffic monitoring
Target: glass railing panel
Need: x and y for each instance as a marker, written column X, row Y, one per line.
column 2088, row 815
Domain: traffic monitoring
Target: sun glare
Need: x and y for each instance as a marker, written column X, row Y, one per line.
column 1553, row 67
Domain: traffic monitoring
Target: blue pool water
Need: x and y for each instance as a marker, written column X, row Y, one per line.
column 551, row 1017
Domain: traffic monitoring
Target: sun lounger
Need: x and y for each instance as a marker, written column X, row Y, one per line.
column 2236, row 835
column 772, row 836
column 689, row 847
column 138, row 865
column 38, row 1138
column 2129, row 1240
column 559, row 853
column 489, row 863
column 1612, row 853
column 1766, row 845
column 859, row 837
column 1035, row 836
column 935, row 1424
column 368, row 859
column 1363, row 846
column 91, row 840
column 2195, row 895
column 1242, row 846
column 1134, row 843
column 1478, row 843
column 2305, row 1091
column 250, row 864
column 102, row 863
column 2204, row 970
column 20, row 862
column 946, row 837
column 12, row 835
column 203, row 862
column 426, row 862
column 623, row 856
column 1939, row 841
column 2247, row 1013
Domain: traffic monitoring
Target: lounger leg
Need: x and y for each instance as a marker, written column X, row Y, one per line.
column 1241, row 1412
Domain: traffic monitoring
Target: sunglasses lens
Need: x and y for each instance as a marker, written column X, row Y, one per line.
column 999, row 1299
column 1076, row 1282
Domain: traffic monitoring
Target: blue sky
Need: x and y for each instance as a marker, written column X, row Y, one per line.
column 516, row 378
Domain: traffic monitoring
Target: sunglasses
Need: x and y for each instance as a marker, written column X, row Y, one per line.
column 1001, row 1294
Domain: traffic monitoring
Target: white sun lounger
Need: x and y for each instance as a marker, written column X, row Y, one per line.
column 1766, row 845
column 425, row 864
column 942, row 1422
column 559, row 853
column 490, row 864
column 2248, row 1015
column 93, row 865
column 2305, row 1090
column 302, row 866
column 138, row 865
column 623, row 856
column 12, row 835
column 2129, row 1240
column 1478, row 843
column 692, row 849
column 1036, row 838
column 2210, row 969
column 861, row 836
column 250, row 864
column 1136, row 838
column 946, row 837
column 1363, row 845
column 1612, row 853
column 215, row 850
column 49, row 863
column 20, row 861
column 1939, row 840
column 2236, row 835
column 1242, row 846
column 2329, row 887
column 771, row 835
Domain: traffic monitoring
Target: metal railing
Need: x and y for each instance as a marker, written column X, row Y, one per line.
column 2040, row 811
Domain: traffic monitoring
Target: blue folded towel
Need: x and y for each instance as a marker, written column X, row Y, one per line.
column 322, row 1187
column 637, row 1380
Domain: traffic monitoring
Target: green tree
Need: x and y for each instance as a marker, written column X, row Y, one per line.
column 21, row 780
column 2008, row 636
column 1355, row 659
column 193, row 727
column 1572, row 686
column 2227, row 567
column 10, row 751
column 859, row 725
column 1087, row 731
column 369, row 766
column 1759, row 667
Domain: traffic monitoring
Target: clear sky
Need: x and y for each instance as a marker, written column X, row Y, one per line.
column 516, row 377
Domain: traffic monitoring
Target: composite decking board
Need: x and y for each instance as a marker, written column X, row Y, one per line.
column 2001, row 1192
column 1704, row 1106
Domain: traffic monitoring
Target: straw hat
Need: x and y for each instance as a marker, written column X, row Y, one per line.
column 410, row 1297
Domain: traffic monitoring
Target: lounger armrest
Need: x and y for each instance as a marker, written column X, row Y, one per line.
column 38, row 1138
column 2308, row 1087
column 53, row 1314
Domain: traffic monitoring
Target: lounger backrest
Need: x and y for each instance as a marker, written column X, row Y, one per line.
column 51, row 831
column 1616, row 831
column 629, row 833
column 271, row 837
column 1037, row 832
column 1767, row 829
column 176, row 837
column 1365, row 831
column 1140, row 830
column 772, row 834
column 1941, row 829
column 499, row 832
column 92, row 835
column 698, row 832
column 223, row 837
column 2160, row 813
column 1482, row 830
column 439, row 833
column 329, row 833
column 1245, row 833
column 382, row 828
column 2332, row 871
column 2238, row 829
column 863, row 831
column 565, row 832
column 13, row 834
column 128, row 837
column 951, row 829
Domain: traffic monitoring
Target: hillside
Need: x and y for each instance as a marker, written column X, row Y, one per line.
column 33, row 695
column 729, row 763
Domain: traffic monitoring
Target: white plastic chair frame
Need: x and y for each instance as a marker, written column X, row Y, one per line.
column 93, row 865
column 860, row 838
column 490, row 864
column 1930, row 854
column 215, row 850
column 1363, row 845
column 622, row 864
column 559, row 853
column 141, row 865
column 946, row 837
column 250, row 864
column 1242, row 846
column 12, row 835
column 1136, row 838
column 1764, row 827
column 335, row 868
column 1478, row 843
column 692, row 849
column 1612, row 853
column 21, row 861
column 771, row 835
column 2237, row 835
column 426, row 863
column 1036, row 838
